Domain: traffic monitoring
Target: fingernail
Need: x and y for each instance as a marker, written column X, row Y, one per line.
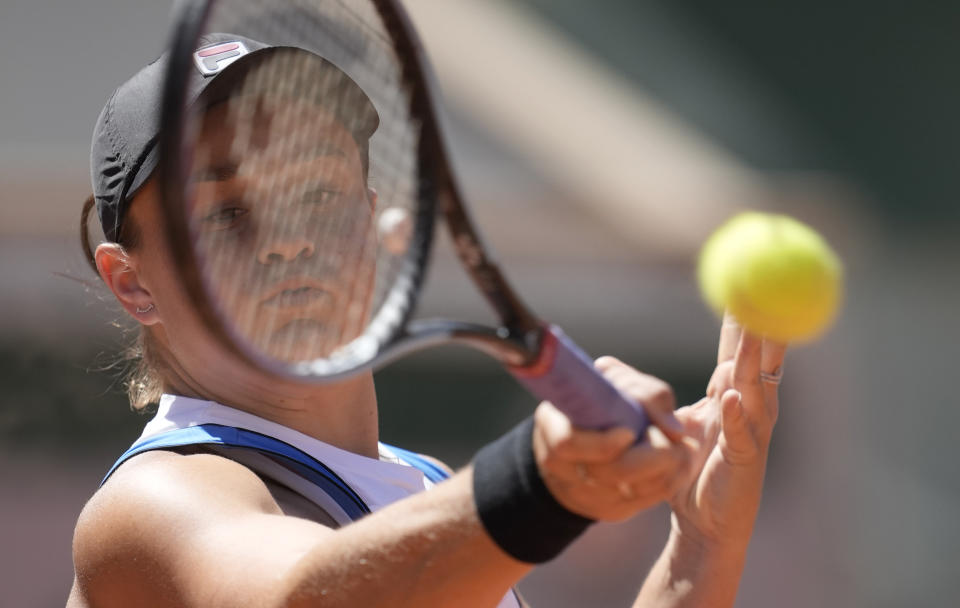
column 657, row 438
column 732, row 408
column 691, row 443
column 605, row 361
column 735, row 391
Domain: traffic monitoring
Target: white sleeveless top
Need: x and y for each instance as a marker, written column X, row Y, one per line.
column 377, row 482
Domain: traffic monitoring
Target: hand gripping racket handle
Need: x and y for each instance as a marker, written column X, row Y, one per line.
column 565, row 376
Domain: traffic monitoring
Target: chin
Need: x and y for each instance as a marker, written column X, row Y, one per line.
column 304, row 340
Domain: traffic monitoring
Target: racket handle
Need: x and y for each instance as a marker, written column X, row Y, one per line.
column 565, row 376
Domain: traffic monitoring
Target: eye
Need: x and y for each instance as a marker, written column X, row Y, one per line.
column 224, row 216
column 321, row 195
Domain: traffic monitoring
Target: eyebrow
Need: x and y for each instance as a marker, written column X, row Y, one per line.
column 218, row 172
column 227, row 170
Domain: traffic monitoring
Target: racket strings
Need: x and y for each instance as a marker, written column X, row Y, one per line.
column 299, row 254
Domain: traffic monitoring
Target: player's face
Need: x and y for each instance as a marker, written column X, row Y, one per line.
column 283, row 221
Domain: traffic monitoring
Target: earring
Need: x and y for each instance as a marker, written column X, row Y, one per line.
column 141, row 311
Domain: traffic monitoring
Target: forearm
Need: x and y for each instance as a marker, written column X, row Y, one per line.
column 430, row 549
column 691, row 573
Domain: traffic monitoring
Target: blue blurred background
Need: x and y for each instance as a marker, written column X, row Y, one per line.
column 600, row 143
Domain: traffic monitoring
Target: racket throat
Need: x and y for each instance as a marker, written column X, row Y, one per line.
column 501, row 343
column 565, row 375
column 541, row 346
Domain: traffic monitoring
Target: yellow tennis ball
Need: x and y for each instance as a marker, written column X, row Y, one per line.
column 776, row 275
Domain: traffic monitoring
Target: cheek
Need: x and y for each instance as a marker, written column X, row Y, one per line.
column 187, row 338
column 158, row 276
column 176, row 312
column 173, row 306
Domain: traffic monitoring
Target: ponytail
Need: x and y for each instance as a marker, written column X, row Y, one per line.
column 85, row 233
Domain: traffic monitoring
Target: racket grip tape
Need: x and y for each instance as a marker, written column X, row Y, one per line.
column 565, row 376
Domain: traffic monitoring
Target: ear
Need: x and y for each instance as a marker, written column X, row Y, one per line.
column 119, row 274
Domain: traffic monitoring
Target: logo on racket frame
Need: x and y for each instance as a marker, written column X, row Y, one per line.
column 211, row 59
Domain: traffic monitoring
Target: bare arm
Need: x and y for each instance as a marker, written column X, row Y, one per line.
column 203, row 531
column 200, row 530
column 688, row 573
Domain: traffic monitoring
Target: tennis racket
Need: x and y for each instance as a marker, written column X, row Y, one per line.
column 301, row 183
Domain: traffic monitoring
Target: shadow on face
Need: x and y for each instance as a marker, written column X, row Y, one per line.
column 282, row 222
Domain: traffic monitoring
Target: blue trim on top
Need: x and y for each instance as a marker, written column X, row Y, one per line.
column 293, row 458
column 430, row 469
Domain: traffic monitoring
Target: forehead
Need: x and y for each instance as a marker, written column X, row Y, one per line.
column 252, row 124
column 271, row 112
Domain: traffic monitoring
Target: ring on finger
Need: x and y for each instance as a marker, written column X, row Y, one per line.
column 772, row 377
column 625, row 490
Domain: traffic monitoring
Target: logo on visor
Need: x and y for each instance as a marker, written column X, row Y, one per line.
column 211, row 59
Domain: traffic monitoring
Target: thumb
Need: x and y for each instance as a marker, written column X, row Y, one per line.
column 738, row 438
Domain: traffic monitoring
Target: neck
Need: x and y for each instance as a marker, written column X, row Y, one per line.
column 342, row 414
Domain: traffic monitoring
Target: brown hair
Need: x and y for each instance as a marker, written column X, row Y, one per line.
column 142, row 379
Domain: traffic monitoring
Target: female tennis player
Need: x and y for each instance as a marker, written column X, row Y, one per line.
column 246, row 490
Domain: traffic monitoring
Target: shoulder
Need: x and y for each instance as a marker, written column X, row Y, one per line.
column 169, row 482
column 137, row 527
column 433, row 468
column 161, row 487
column 439, row 464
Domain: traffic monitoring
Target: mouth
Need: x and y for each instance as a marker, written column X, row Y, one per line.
column 298, row 294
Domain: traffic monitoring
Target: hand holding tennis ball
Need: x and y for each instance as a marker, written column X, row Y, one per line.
column 776, row 275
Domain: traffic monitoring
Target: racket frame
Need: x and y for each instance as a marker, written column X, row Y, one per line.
column 540, row 356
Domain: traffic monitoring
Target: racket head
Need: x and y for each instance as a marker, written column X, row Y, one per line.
column 298, row 176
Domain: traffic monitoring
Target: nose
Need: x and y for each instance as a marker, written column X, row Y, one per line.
column 287, row 249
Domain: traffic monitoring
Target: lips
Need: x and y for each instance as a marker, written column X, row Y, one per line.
column 297, row 294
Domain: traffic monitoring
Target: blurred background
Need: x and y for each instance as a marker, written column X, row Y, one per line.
column 600, row 143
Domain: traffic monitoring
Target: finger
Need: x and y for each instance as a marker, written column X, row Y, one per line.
column 721, row 379
column 771, row 360
column 607, row 362
column 657, row 439
column 646, row 461
column 637, row 493
column 737, row 440
column 771, row 363
column 746, row 363
column 654, row 395
column 729, row 338
column 641, row 495
column 747, row 380
column 637, row 385
column 565, row 442
column 666, row 422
